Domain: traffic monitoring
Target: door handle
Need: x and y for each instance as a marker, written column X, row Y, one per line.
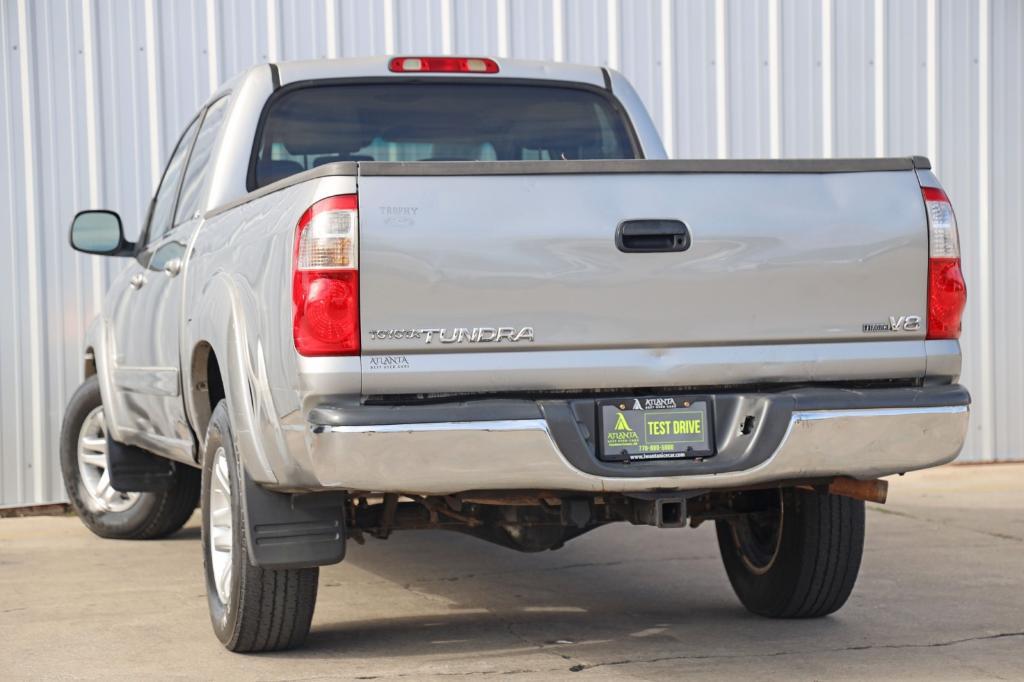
column 652, row 236
column 137, row 280
column 172, row 267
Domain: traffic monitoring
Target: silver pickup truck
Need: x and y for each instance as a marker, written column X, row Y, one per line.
column 473, row 294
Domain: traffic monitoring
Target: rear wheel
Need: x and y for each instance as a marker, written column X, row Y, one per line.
column 799, row 558
column 252, row 608
column 105, row 511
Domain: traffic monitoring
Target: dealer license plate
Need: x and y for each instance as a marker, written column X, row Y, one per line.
column 656, row 428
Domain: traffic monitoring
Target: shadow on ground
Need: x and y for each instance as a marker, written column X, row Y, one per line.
column 492, row 601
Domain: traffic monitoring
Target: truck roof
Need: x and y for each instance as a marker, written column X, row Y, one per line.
column 294, row 71
column 377, row 67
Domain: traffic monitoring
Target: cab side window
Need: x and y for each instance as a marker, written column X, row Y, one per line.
column 199, row 162
column 167, row 195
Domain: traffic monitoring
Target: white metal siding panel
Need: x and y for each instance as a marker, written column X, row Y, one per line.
column 1005, row 197
column 905, row 67
column 802, row 79
column 747, row 71
column 854, row 78
column 51, row 275
column 956, row 163
column 301, row 26
column 693, row 98
column 478, row 26
column 15, row 420
column 95, row 93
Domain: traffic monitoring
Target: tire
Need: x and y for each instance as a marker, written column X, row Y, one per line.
column 799, row 560
column 253, row 609
column 103, row 510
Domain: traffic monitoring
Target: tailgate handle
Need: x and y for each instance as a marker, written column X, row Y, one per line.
column 652, row 236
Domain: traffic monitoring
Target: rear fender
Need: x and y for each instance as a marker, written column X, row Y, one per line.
column 224, row 316
column 238, row 301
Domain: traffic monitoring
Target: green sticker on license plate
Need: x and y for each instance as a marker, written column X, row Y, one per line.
column 655, row 428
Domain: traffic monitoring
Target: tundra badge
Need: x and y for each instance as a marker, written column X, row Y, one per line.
column 460, row 335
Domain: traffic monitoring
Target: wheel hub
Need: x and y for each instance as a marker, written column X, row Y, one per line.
column 94, row 470
column 758, row 538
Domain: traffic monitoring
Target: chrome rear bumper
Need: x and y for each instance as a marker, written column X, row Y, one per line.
column 522, row 454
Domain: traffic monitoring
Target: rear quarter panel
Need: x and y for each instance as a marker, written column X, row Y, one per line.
column 238, row 300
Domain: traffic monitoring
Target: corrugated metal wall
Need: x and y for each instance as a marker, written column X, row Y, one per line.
column 96, row 91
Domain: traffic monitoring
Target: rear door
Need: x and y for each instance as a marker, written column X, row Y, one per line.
column 149, row 325
column 774, row 257
column 143, row 383
column 163, row 294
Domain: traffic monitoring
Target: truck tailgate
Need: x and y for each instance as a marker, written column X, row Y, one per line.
column 777, row 257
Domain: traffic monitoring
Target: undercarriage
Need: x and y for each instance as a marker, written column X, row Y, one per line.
column 535, row 521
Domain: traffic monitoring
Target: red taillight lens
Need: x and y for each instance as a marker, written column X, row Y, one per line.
column 442, row 65
column 947, row 292
column 947, row 296
column 325, row 280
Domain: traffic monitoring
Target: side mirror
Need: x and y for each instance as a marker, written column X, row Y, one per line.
column 99, row 233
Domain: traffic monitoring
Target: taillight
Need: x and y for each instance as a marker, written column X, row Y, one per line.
column 947, row 293
column 442, row 65
column 325, row 278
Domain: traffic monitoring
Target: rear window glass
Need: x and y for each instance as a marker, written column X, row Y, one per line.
column 311, row 126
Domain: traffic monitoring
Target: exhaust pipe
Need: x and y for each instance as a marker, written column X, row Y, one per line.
column 869, row 491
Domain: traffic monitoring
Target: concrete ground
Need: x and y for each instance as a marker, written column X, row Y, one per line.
column 940, row 596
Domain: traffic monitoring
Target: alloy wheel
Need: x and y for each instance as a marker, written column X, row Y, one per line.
column 94, row 470
column 221, row 531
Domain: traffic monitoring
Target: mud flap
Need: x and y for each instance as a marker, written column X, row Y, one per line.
column 285, row 530
column 134, row 470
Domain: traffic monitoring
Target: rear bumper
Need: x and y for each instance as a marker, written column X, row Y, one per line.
column 547, row 445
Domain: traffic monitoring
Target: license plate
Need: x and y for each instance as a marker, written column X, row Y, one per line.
column 656, row 428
